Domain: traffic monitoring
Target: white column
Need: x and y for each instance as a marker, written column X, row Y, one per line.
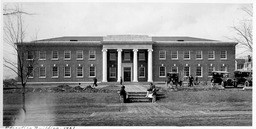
column 150, row 65
column 135, row 65
column 119, row 64
column 104, row 68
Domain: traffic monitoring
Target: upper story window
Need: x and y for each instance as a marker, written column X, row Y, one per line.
column 112, row 56
column 92, row 55
column 174, row 55
column 67, row 55
column 223, row 55
column 142, row 56
column 79, row 55
column 186, row 55
column 211, row 55
column 127, row 56
column 162, row 55
column 55, row 55
column 42, row 55
column 30, row 55
column 199, row 55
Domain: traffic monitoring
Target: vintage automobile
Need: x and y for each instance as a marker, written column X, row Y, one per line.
column 173, row 77
column 243, row 77
column 221, row 78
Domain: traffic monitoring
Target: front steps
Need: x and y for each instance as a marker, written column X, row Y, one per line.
column 141, row 97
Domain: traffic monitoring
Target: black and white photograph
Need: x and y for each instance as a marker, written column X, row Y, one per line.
column 127, row 63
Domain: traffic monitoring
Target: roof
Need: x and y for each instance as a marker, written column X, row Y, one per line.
column 240, row 61
column 75, row 38
column 243, row 71
column 220, row 72
column 179, row 38
column 100, row 38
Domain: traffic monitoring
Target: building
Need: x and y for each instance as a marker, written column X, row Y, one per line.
column 135, row 58
column 244, row 64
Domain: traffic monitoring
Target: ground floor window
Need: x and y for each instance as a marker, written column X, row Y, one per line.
column 162, row 71
column 210, row 69
column 55, row 72
column 79, row 71
column 92, row 71
column 186, row 71
column 30, row 72
column 223, row 68
column 174, row 69
column 112, row 72
column 42, row 72
column 67, row 71
column 199, row 70
column 142, row 72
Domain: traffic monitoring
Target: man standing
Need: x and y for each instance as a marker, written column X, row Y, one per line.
column 95, row 82
column 191, row 79
column 121, row 81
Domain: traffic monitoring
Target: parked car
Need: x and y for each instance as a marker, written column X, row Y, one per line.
column 173, row 77
column 243, row 77
column 221, row 78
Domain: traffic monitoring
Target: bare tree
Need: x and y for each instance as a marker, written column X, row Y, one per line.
column 244, row 29
column 14, row 35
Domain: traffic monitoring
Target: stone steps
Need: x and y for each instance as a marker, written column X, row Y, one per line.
column 141, row 97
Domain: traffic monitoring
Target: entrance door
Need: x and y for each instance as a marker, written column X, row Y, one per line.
column 127, row 74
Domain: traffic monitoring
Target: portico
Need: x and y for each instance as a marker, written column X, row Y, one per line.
column 131, row 66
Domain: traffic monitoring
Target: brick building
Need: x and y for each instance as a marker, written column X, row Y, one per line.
column 135, row 58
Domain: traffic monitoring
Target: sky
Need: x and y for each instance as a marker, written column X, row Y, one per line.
column 201, row 20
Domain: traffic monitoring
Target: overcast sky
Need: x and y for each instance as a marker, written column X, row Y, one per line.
column 210, row 20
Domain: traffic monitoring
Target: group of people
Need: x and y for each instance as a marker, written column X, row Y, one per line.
column 151, row 93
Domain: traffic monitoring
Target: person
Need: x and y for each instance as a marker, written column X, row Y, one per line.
column 154, row 94
column 94, row 82
column 122, row 94
column 191, row 79
column 121, row 81
column 151, row 87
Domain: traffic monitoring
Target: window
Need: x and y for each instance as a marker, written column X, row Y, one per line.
column 42, row 72
column 67, row 55
column 162, row 55
column 174, row 69
column 186, row 55
column 186, row 71
column 162, row 71
column 92, row 55
column 112, row 56
column 67, row 71
column 199, row 71
column 223, row 68
column 141, row 72
column 79, row 71
column 127, row 56
column 42, row 55
column 174, row 55
column 30, row 55
column 223, row 55
column 210, row 69
column 55, row 55
column 30, row 72
column 199, row 55
column 142, row 56
column 112, row 72
column 79, row 55
column 92, row 71
column 211, row 55
column 55, row 72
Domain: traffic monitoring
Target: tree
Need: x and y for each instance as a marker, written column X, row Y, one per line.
column 244, row 29
column 14, row 35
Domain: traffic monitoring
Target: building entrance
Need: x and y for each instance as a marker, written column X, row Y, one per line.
column 127, row 74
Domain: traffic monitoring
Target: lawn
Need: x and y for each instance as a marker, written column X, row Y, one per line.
column 76, row 108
